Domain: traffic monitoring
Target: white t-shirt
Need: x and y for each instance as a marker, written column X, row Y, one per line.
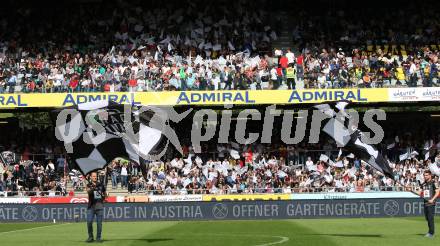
column 273, row 74
column 216, row 82
column 290, row 57
column 321, row 79
column 412, row 68
column 124, row 171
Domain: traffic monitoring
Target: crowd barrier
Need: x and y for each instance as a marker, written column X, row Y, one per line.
column 220, row 210
column 172, row 98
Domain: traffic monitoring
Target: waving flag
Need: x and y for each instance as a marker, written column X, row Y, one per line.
column 96, row 133
column 369, row 154
column 351, row 139
column 8, row 158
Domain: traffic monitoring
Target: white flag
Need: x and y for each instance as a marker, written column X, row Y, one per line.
column 281, row 174
column 339, row 164
column 404, row 156
column 390, row 146
column 234, row 154
column 217, row 47
column 434, row 169
column 170, row 47
column 199, row 161
column 189, row 159
column 242, row 170
column 323, row 158
column 231, row 47
column 426, row 155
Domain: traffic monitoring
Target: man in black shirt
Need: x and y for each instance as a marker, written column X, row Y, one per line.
column 97, row 195
column 430, row 192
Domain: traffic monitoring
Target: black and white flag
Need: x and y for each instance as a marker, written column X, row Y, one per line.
column 96, row 133
column 350, row 137
column 8, row 158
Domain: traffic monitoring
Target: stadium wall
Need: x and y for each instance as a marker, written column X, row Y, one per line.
column 204, row 197
column 219, row 210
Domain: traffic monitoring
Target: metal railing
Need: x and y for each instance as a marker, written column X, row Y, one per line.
column 299, row 157
column 280, row 190
column 41, row 157
column 218, row 192
column 358, row 189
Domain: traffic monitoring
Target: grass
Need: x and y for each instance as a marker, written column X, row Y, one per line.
column 328, row 232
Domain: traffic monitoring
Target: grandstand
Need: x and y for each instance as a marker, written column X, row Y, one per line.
column 262, row 65
column 35, row 146
column 184, row 46
column 139, row 55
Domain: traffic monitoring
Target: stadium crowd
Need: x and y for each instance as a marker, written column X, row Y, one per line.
column 271, row 173
column 223, row 45
column 232, row 168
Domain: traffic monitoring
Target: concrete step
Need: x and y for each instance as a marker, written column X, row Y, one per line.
column 285, row 39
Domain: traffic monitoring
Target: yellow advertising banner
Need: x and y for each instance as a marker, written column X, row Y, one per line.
column 172, row 98
column 246, row 197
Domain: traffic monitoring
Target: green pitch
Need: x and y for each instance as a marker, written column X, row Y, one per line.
column 326, row 232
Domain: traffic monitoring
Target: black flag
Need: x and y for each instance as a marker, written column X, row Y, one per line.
column 8, row 158
column 76, row 126
column 337, row 127
column 369, row 154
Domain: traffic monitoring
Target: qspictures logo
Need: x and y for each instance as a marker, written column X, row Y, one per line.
column 127, row 122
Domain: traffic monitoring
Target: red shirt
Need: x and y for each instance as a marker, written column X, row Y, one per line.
column 132, row 82
column 284, row 62
column 249, row 156
column 25, row 155
column 31, row 85
column 360, row 188
column 263, row 63
column 107, row 87
column 299, row 60
column 73, row 83
column 279, row 71
column 39, row 64
column 185, row 150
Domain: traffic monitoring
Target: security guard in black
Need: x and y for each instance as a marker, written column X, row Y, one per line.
column 430, row 192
